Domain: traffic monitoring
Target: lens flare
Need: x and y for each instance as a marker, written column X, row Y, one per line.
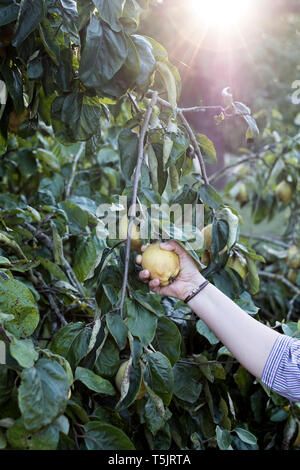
column 222, row 14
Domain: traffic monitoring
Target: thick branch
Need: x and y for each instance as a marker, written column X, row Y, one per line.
column 134, row 196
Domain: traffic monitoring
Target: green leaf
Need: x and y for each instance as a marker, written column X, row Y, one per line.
column 75, row 117
column 168, row 339
column 253, row 277
column 223, row 438
column 30, row 15
column 53, row 268
column 8, row 12
column 71, row 342
column 23, row 352
column 43, row 393
column 246, row 436
column 110, row 12
column 187, row 384
column 128, row 145
column 158, row 374
column 88, row 251
column 103, row 55
column 17, row 299
column 78, row 219
column 203, row 330
column 209, row 196
column 146, row 59
column 103, row 436
column 117, row 329
column 141, row 322
column 108, row 359
column 94, row 382
column 207, row 147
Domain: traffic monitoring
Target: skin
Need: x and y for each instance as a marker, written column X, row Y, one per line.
column 247, row 339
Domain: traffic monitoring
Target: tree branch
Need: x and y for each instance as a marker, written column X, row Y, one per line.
column 134, row 196
column 279, row 277
column 73, row 171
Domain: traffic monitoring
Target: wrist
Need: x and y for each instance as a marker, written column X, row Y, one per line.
column 191, row 285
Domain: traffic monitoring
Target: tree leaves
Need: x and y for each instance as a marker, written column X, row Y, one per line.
column 94, row 382
column 23, row 351
column 103, row 436
column 30, row 15
column 75, row 117
column 43, row 393
column 104, row 54
column 158, row 375
column 16, row 299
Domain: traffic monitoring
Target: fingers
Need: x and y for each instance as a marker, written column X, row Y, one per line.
column 172, row 245
column 138, row 259
column 144, row 275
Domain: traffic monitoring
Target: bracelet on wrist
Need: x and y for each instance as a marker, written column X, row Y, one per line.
column 195, row 291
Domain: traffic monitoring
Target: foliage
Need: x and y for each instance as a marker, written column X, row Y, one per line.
column 77, row 78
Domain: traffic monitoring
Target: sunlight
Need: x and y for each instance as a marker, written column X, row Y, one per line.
column 222, row 14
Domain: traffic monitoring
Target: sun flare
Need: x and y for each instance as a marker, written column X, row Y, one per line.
column 222, row 14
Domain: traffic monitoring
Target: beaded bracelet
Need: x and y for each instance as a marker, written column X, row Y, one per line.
column 195, row 291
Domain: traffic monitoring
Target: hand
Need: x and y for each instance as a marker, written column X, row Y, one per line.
column 188, row 278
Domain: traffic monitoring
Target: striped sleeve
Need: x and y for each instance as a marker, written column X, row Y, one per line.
column 282, row 369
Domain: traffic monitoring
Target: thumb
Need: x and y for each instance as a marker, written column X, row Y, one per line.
column 172, row 245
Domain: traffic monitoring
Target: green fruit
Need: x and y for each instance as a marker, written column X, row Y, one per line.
column 242, row 195
column 161, row 264
column 293, row 275
column 135, row 240
column 120, row 376
column 293, row 257
column 238, row 263
column 284, row 192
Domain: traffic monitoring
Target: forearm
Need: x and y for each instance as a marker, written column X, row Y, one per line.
column 247, row 339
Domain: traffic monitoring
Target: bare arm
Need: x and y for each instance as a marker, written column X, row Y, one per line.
column 247, row 339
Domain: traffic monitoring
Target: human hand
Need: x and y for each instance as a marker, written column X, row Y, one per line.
column 188, row 278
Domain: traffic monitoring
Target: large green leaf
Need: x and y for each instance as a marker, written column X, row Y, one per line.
column 94, row 382
column 128, row 145
column 159, row 376
column 8, row 11
column 17, row 299
column 30, row 16
column 187, row 385
column 43, row 393
column 103, row 436
column 117, row 329
column 75, row 117
column 103, row 55
column 110, row 11
column 169, row 339
column 88, row 251
column 141, row 322
column 108, row 359
column 147, row 60
column 23, row 352
column 46, row 439
column 71, row 342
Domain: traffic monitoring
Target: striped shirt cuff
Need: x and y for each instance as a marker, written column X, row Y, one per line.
column 282, row 369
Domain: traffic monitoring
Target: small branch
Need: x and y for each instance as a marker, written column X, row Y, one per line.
column 4, row 335
column 134, row 196
column 52, row 302
column 73, row 171
column 278, row 277
column 218, row 174
column 196, row 146
column 266, row 239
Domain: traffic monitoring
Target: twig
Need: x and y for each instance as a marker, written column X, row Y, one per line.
column 196, row 146
column 3, row 333
column 52, row 302
column 265, row 239
column 278, row 277
column 218, row 174
column 134, row 196
column 73, row 171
